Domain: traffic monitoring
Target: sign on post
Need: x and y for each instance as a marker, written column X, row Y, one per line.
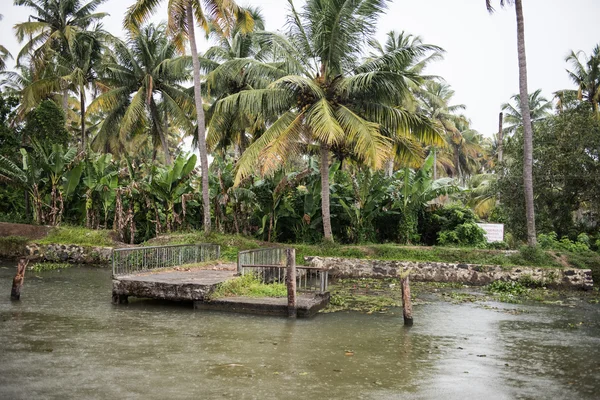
column 493, row 232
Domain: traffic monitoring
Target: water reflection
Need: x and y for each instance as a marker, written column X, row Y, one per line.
column 65, row 340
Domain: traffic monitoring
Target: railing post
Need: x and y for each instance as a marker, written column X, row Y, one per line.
column 406, row 302
column 239, row 264
column 322, row 275
column 291, row 281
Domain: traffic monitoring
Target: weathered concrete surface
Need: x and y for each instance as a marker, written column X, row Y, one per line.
column 190, row 285
column 69, row 253
column 307, row 305
column 450, row 272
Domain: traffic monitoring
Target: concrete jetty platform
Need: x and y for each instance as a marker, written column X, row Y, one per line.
column 307, row 305
column 174, row 285
column 196, row 285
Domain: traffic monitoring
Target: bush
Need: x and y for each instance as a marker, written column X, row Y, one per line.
column 454, row 224
column 550, row 241
column 467, row 234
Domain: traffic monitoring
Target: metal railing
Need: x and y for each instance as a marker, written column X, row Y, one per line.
column 269, row 265
column 128, row 261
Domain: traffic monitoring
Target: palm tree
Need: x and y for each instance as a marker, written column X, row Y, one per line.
column 4, row 53
column 413, row 68
column 539, row 108
column 53, row 31
column 333, row 100
column 135, row 76
column 527, row 127
column 435, row 102
column 183, row 14
column 586, row 75
column 226, row 67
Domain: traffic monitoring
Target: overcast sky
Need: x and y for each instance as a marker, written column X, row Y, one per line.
column 481, row 59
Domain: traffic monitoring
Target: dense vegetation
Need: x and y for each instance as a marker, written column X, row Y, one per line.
column 316, row 133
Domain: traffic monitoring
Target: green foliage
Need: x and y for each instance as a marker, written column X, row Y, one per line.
column 529, row 255
column 78, row 236
column 249, row 285
column 507, row 291
column 550, row 241
column 453, row 224
column 49, row 266
column 565, row 173
column 46, row 124
column 467, row 234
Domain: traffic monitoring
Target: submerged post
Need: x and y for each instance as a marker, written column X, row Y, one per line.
column 291, row 281
column 406, row 302
column 15, row 293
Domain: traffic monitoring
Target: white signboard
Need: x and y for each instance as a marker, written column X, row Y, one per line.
column 493, row 232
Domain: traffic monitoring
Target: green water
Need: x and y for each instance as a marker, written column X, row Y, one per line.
column 65, row 340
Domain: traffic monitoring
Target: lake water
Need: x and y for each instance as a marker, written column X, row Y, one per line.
column 65, row 340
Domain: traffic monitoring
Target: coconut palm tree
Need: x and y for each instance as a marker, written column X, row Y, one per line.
column 333, row 100
column 527, row 127
column 183, row 15
column 586, row 75
column 235, row 48
column 539, row 108
column 435, row 101
column 413, row 68
column 52, row 31
column 142, row 90
column 4, row 53
column 53, row 27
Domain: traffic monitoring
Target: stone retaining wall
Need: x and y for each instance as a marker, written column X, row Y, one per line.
column 69, row 253
column 450, row 272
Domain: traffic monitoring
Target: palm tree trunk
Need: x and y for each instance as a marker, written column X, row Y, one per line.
column 161, row 133
column 325, row 193
column 500, row 137
column 82, row 105
column 200, row 116
column 527, row 128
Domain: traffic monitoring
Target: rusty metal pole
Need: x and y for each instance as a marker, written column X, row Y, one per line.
column 406, row 302
column 291, row 281
column 15, row 293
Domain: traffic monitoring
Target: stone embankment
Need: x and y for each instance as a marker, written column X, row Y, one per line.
column 450, row 272
column 68, row 253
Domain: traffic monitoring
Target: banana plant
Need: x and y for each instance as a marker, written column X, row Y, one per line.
column 168, row 185
column 63, row 172
column 28, row 177
column 413, row 190
column 101, row 180
column 371, row 192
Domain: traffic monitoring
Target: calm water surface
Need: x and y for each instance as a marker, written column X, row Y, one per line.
column 64, row 340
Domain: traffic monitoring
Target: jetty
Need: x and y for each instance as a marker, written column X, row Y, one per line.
column 192, row 273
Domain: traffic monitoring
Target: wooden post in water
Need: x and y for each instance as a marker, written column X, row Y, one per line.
column 291, row 281
column 406, row 302
column 15, row 293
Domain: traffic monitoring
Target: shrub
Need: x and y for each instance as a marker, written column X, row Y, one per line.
column 550, row 241
column 467, row 234
column 454, row 224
